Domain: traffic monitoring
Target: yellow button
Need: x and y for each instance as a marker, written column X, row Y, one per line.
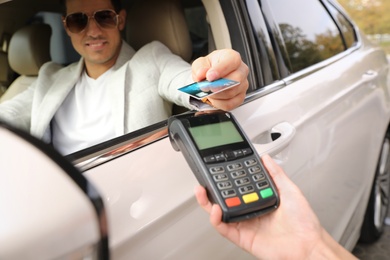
column 251, row 197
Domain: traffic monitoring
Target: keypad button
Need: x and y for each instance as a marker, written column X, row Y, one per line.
column 251, row 197
column 234, row 166
column 238, row 153
column 250, row 162
column 246, row 189
column 238, row 174
column 243, row 181
column 220, row 157
column 247, row 151
column 209, row 159
column 262, row 185
column 254, row 169
column 217, row 169
column 230, row 155
column 224, row 185
column 233, row 202
column 258, row 177
column 220, row 177
column 228, row 193
column 266, row 193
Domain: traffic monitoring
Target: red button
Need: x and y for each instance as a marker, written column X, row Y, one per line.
column 232, row 202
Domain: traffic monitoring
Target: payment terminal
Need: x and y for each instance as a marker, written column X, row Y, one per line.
column 225, row 163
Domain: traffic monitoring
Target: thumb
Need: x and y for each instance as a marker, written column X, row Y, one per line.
column 275, row 171
column 282, row 181
column 216, row 65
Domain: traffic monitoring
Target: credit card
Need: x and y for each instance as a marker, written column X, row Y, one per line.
column 204, row 89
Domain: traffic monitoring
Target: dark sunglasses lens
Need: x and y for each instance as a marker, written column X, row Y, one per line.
column 76, row 22
column 106, row 18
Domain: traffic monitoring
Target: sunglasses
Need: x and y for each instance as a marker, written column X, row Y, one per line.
column 77, row 22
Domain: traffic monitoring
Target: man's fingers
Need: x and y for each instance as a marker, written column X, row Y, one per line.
column 222, row 63
column 232, row 103
column 199, row 69
column 216, row 65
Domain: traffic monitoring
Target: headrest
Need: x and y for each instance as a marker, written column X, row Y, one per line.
column 29, row 49
column 161, row 20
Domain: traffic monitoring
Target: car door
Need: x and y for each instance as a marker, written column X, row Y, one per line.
column 327, row 107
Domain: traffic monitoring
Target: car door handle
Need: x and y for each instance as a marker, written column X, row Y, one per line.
column 370, row 75
column 274, row 140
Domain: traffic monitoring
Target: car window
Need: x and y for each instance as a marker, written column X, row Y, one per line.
column 196, row 19
column 265, row 50
column 62, row 52
column 61, row 49
column 310, row 36
column 345, row 26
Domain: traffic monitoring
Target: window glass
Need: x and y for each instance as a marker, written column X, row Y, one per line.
column 264, row 44
column 61, row 49
column 198, row 27
column 308, row 31
column 345, row 26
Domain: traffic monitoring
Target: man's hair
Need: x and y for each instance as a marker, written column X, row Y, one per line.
column 117, row 4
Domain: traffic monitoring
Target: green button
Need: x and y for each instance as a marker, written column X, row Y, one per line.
column 268, row 192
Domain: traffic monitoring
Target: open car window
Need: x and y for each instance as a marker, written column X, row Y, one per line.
column 202, row 42
column 61, row 52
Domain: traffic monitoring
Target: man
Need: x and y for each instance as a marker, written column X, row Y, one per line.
column 113, row 90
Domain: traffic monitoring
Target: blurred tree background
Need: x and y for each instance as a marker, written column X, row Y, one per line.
column 372, row 17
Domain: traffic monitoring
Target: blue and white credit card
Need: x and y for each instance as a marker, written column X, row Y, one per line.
column 203, row 89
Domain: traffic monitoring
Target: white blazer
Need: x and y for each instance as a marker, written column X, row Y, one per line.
column 144, row 86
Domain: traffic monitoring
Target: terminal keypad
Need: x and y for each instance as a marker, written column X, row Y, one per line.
column 241, row 181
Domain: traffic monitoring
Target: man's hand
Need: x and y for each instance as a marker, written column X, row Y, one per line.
column 223, row 64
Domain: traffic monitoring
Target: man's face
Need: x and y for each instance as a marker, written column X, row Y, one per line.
column 99, row 46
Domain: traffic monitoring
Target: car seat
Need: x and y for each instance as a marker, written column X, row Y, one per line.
column 161, row 20
column 29, row 49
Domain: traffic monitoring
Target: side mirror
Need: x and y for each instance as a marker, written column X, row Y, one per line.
column 48, row 209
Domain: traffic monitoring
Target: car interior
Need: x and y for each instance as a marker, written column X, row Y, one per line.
column 37, row 35
column 29, row 49
column 180, row 25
